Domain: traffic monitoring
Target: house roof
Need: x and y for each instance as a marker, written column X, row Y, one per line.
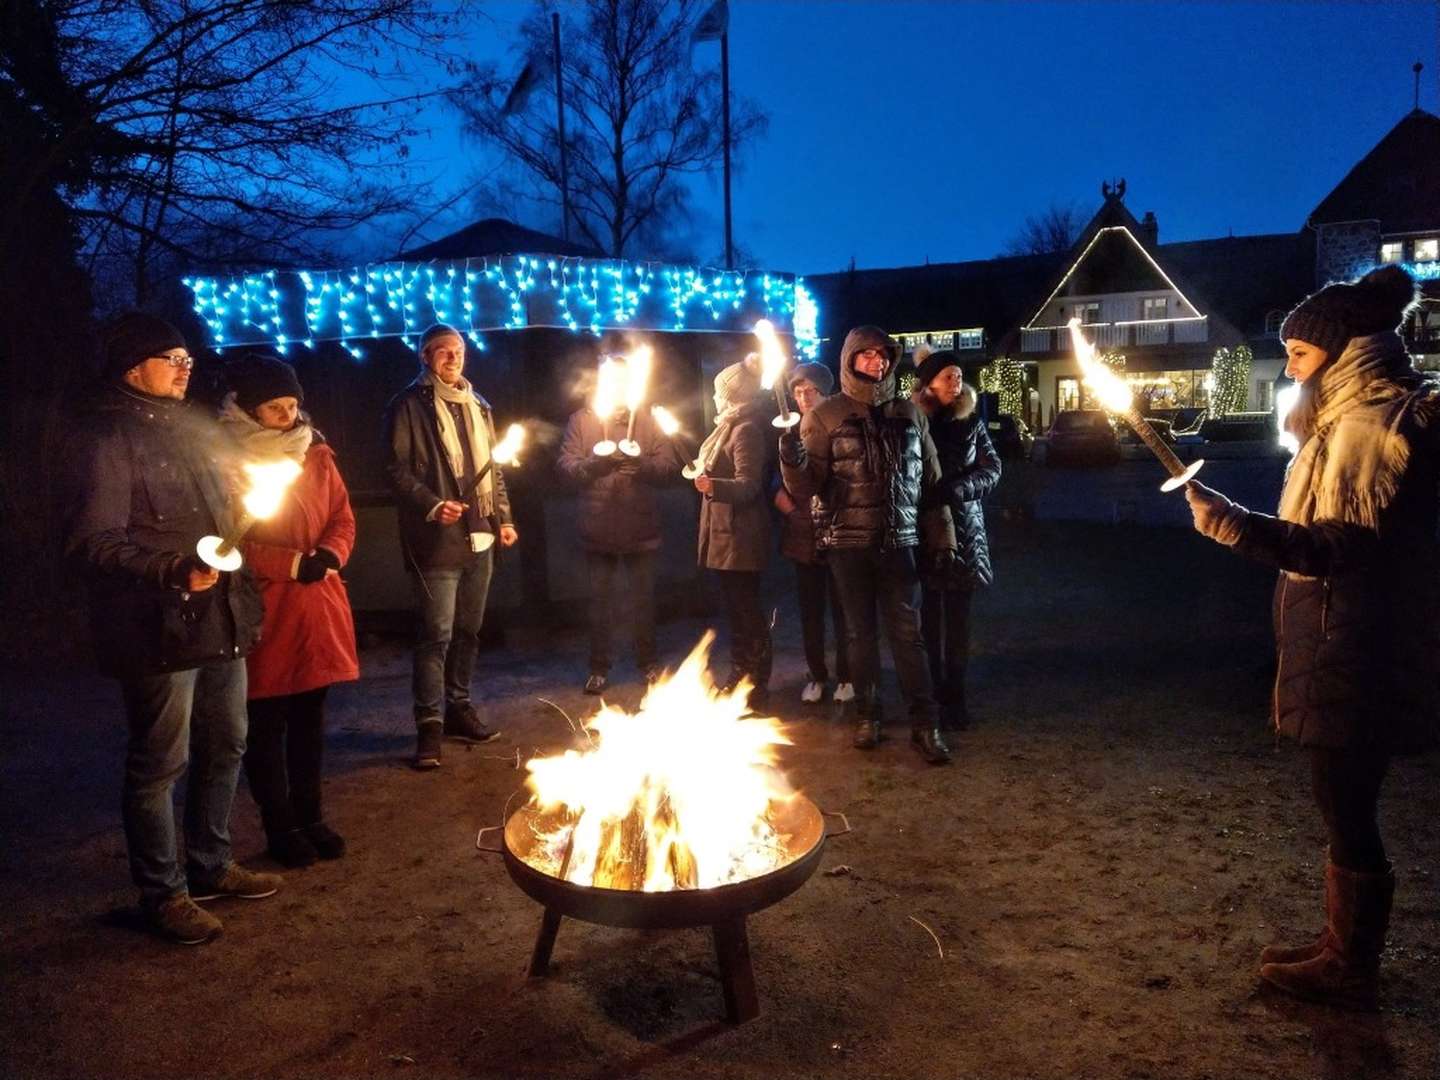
column 1396, row 183
column 496, row 236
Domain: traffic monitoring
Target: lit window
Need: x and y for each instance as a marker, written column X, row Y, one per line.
column 1392, row 252
column 1427, row 250
column 1157, row 307
column 970, row 339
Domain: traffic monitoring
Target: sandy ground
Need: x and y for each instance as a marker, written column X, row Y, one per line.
column 1119, row 837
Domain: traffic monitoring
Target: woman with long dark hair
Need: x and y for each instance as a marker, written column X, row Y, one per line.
column 1356, row 603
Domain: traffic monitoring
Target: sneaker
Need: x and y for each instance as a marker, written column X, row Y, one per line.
column 427, row 745
column 238, row 882
column 293, row 849
column 327, row 842
column 813, row 692
column 463, row 722
column 179, row 919
column 596, row 684
column 844, row 692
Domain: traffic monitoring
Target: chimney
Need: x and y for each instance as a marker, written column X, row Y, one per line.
column 1150, row 229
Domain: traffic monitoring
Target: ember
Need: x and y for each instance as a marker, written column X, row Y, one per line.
column 680, row 795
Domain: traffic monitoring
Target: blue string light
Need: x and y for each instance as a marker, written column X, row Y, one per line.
column 510, row 292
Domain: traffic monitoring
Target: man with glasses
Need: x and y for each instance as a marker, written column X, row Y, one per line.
column 453, row 506
column 867, row 459
column 174, row 632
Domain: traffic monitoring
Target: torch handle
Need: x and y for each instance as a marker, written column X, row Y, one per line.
column 784, row 405
column 1173, row 465
column 231, row 540
column 630, row 427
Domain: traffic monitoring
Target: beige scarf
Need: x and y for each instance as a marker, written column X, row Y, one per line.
column 463, row 394
column 1354, row 454
column 715, row 441
column 262, row 442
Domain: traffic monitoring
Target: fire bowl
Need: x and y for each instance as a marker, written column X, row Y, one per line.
column 723, row 907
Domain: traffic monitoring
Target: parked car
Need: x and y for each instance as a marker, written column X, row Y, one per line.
column 1011, row 436
column 1240, row 435
column 1082, row 437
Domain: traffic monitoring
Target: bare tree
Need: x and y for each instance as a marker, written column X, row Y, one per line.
column 1055, row 229
column 639, row 117
column 213, row 130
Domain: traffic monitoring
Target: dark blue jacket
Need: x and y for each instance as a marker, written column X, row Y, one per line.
column 146, row 486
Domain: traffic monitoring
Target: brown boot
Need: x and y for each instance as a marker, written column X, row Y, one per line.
column 1294, row 954
column 869, row 720
column 1346, row 970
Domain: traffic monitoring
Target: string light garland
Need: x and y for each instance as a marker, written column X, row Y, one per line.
column 1005, row 378
column 498, row 293
column 1230, row 379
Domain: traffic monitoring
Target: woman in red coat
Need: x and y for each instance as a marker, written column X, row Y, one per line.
column 307, row 641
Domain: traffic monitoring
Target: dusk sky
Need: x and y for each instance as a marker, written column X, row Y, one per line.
column 901, row 131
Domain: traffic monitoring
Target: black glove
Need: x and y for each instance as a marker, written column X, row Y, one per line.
column 792, row 449
column 629, row 466
column 328, row 557
column 312, row 568
column 178, row 575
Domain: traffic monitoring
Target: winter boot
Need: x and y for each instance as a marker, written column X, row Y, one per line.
column 929, row 743
column 869, row 720
column 292, row 848
column 1295, row 954
column 1346, row 971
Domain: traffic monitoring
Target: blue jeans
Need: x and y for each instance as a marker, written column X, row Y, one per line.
column 452, row 609
column 194, row 717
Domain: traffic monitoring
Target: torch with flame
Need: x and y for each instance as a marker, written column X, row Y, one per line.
column 676, row 796
column 507, row 453
column 772, row 363
column 610, row 387
column 269, row 480
column 637, row 383
column 670, row 428
column 1117, row 398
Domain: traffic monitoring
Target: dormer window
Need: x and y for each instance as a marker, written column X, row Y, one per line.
column 1392, row 251
column 1156, row 307
column 1427, row 250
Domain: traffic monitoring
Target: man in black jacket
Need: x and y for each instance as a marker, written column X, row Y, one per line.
column 619, row 526
column 175, row 633
column 868, row 460
column 453, row 504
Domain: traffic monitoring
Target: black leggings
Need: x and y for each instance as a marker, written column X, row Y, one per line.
column 282, row 758
column 1346, row 784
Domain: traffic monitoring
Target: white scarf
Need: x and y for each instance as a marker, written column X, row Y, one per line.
column 263, row 442
column 1352, row 462
column 463, row 394
column 724, row 421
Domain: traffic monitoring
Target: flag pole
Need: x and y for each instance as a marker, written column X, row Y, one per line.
column 560, row 122
column 725, row 115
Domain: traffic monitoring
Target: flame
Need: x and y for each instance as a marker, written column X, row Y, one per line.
column 507, row 450
column 1112, row 390
column 637, row 378
column 1285, row 401
column 772, row 354
column 609, row 387
column 675, row 796
column 269, row 480
column 665, row 420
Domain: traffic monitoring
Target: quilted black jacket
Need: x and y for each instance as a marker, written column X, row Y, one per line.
column 969, row 470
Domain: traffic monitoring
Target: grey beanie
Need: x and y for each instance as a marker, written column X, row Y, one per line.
column 811, row 372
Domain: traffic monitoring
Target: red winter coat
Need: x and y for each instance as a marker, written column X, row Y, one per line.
column 308, row 637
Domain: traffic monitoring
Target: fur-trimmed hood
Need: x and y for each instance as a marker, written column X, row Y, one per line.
column 959, row 409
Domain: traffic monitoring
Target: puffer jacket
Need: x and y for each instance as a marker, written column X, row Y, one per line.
column 969, row 470
column 148, row 483
column 1356, row 613
column 618, row 511
column 869, row 462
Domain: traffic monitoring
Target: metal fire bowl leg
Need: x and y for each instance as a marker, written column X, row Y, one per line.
column 1185, row 477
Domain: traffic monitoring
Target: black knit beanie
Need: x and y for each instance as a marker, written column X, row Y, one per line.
column 437, row 331
column 1328, row 319
column 933, row 364
column 132, row 338
column 811, row 372
column 257, row 378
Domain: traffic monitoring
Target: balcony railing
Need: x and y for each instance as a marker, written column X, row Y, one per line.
column 1119, row 335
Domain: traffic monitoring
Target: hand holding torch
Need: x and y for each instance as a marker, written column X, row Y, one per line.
column 1117, row 398
column 269, row 480
column 506, row 452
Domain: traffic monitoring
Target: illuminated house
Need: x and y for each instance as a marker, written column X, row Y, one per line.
column 1194, row 322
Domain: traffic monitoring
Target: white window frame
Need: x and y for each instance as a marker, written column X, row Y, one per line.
column 1392, row 251
column 1149, row 302
column 1427, row 249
